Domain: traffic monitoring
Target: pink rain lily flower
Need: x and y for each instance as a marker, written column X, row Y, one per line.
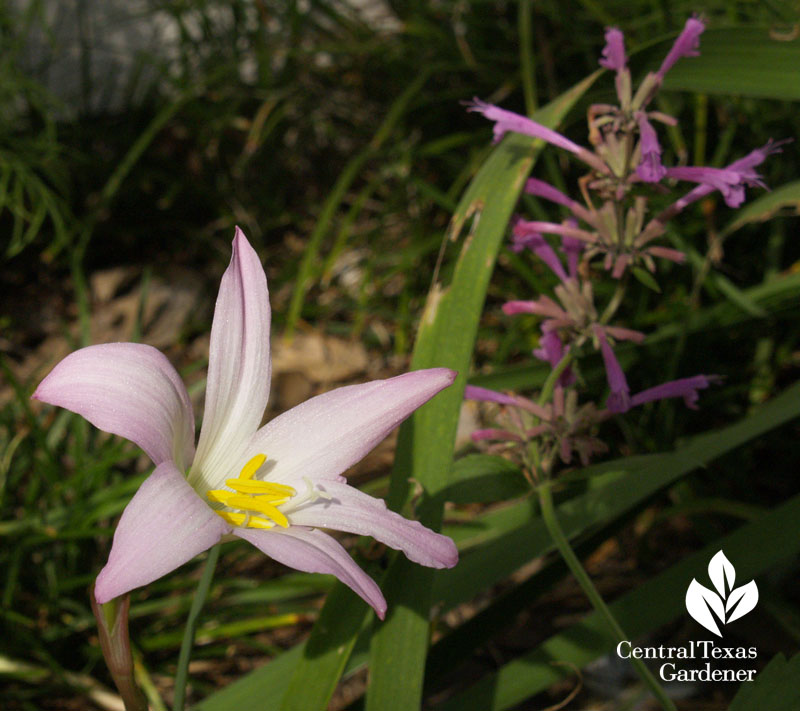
column 275, row 486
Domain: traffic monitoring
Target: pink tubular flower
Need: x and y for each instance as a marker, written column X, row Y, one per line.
column 614, row 51
column 728, row 181
column 650, row 168
column 505, row 121
column 553, row 228
column 275, row 486
column 543, row 306
column 475, row 392
column 572, row 248
column 742, row 167
column 685, row 387
column 524, row 237
column 544, row 190
column 686, row 45
column 619, row 399
column 551, row 350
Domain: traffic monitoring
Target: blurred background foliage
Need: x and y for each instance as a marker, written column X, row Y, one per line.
column 134, row 135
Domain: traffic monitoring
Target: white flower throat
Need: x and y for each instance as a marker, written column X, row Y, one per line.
column 256, row 504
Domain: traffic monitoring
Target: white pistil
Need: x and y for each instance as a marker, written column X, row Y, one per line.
column 310, row 496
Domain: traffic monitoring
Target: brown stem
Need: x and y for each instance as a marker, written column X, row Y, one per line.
column 112, row 626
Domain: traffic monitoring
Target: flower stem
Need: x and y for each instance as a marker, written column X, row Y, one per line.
column 182, row 672
column 545, row 395
column 112, row 627
column 616, row 300
column 552, row 378
column 560, row 539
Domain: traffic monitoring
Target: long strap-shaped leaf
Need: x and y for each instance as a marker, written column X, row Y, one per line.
column 746, row 61
column 753, row 549
column 425, row 447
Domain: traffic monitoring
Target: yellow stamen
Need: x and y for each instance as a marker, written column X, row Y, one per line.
column 222, row 496
column 235, row 519
column 250, row 494
column 252, row 466
column 258, row 522
column 219, row 496
column 252, row 503
column 240, row 519
column 252, row 486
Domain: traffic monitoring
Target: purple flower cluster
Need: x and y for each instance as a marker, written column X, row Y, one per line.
column 626, row 154
column 609, row 226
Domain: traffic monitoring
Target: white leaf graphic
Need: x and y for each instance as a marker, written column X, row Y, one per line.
column 698, row 601
column 746, row 597
column 719, row 570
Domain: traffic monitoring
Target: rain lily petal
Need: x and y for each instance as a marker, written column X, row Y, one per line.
column 685, row 387
column 353, row 511
column 650, row 168
column 316, row 552
column 131, row 390
column 687, row 45
column 614, row 51
column 165, row 525
column 238, row 365
column 325, row 435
